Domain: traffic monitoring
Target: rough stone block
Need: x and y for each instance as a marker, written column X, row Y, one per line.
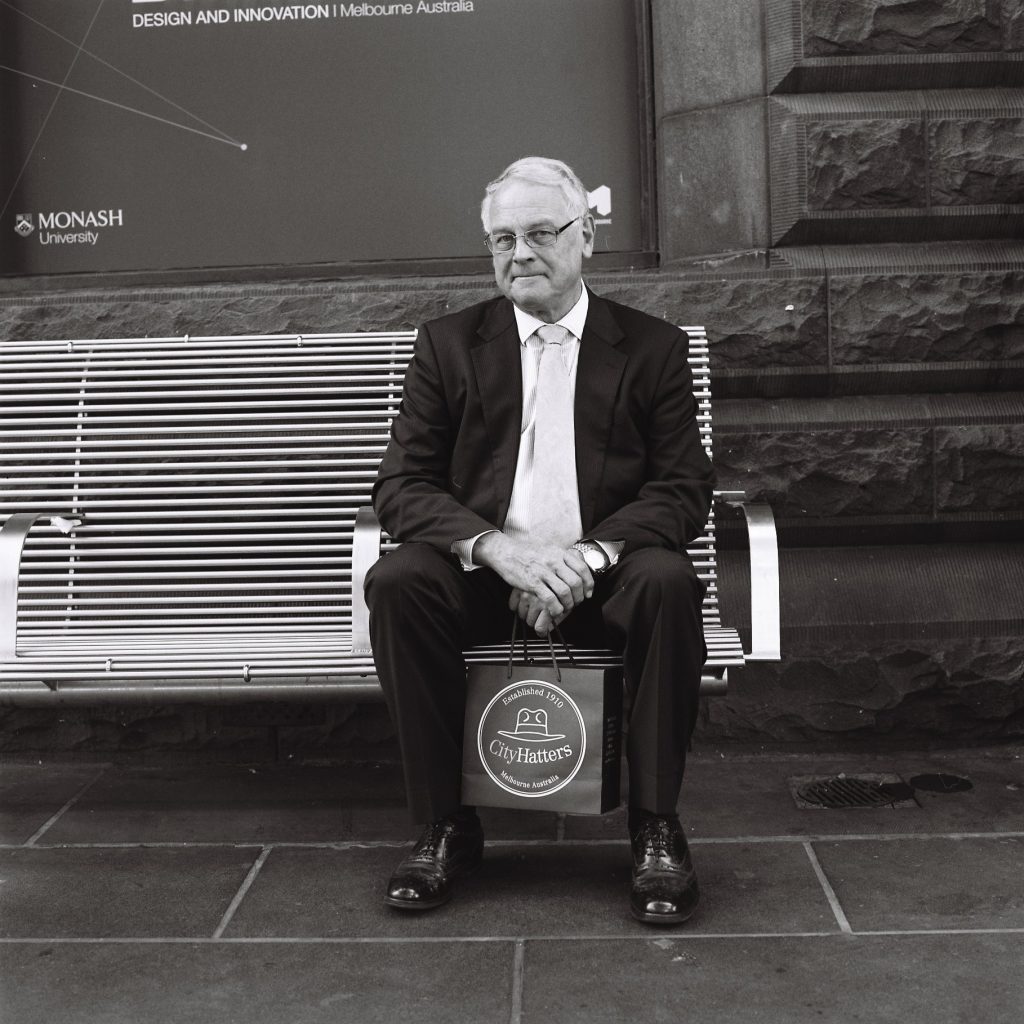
column 751, row 322
column 856, row 167
column 712, row 181
column 926, row 317
column 978, row 161
column 885, row 305
column 954, row 689
column 902, row 641
column 980, row 468
column 345, row 730
column 828, row 473
column 858, row 27
column 1013, row 25
column 869, row 164
column 886, row 456
column 240, row 309
column 817, row 46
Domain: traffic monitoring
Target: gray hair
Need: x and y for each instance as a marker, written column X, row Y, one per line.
column 540, row 170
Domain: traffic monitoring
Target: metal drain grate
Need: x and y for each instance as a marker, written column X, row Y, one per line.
column 842, row 791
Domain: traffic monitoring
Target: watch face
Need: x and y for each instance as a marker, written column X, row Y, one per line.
column 594, row 559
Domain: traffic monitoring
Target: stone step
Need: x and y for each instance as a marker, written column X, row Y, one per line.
column 815, row 320
column 892, row 462
column 848, row 319
column 882, row 379
column 912, row 641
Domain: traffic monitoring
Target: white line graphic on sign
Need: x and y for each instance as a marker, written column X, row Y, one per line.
column 67, row 75
column 121, row 106
column 62, row 87
column 220, row 135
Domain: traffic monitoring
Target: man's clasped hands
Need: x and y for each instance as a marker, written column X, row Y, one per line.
column 547, row 581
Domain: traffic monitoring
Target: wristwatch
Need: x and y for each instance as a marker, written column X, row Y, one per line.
column 594, row 555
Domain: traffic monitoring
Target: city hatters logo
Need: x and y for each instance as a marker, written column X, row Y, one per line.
column 531, row 738
column 23, row 224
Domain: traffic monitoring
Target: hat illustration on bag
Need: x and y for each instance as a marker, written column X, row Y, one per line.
column 531, row 726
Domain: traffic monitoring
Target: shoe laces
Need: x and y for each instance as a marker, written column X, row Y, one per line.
column 656, row 836
column 428, row 845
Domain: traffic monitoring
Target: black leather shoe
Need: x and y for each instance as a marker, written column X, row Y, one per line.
column 664, row 882
column 448, row 848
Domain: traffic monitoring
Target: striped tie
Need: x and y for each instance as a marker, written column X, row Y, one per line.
column 554, row 495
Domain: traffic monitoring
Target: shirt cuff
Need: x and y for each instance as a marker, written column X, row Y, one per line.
column 463, row 549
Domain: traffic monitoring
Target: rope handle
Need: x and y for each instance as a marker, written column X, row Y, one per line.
column 526, row 654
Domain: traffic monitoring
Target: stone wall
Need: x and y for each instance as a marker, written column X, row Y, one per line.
column 871, row 127
column 840, row 194
column 874, row 151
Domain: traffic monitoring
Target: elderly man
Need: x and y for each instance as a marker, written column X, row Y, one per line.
column 545, row 459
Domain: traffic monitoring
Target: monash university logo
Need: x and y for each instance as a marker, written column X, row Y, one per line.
column 532, row 738
column 600, row 201
column 68, row 227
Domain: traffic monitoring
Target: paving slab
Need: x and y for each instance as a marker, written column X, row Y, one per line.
column 885, row 980
column 737, row 796
column 264, row 983
column 259, row 804
column 928, row 883
column 118, row 892
column 30, row 794
column 227, row 804
column 558, row 889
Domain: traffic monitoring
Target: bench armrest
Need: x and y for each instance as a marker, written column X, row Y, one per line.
column 764, row 577
column 365, row 551
column 12, row 544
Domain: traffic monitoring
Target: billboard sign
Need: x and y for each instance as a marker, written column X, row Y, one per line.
column 181, row 134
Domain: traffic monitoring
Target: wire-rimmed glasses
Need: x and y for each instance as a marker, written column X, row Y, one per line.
column 538, row 238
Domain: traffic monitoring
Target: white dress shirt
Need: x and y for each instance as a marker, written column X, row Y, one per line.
column 517, row 520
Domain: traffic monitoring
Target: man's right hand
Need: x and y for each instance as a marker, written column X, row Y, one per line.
column 557, row 577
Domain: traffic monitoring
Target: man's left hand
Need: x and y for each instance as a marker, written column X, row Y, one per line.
column 531, row 610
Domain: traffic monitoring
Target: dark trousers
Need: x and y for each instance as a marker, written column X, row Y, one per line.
column 425, row 610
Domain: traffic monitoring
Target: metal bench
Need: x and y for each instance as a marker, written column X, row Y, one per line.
column 181, row 519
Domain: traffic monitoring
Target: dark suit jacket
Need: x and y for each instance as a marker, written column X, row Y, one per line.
column 643, row 475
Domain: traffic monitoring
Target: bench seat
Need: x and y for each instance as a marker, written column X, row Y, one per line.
column 186, row 519
column 107, row 667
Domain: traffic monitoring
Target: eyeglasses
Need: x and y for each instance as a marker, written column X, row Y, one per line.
column 539, row 238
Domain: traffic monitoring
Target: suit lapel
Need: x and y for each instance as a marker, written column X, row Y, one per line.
column 598, row 375
column 499, row 376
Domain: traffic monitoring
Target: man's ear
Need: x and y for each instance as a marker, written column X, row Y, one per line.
column 589, row 230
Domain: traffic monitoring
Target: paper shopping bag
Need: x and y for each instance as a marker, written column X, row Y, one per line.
column 541, row 737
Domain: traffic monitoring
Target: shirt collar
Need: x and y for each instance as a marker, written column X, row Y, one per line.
column 573, row 321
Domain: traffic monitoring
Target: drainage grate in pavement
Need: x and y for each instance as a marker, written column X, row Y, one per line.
column 848, row 791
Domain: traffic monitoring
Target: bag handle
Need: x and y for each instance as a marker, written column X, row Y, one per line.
column 551, row 647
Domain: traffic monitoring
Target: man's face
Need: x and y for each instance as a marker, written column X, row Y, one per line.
column 545, row 281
